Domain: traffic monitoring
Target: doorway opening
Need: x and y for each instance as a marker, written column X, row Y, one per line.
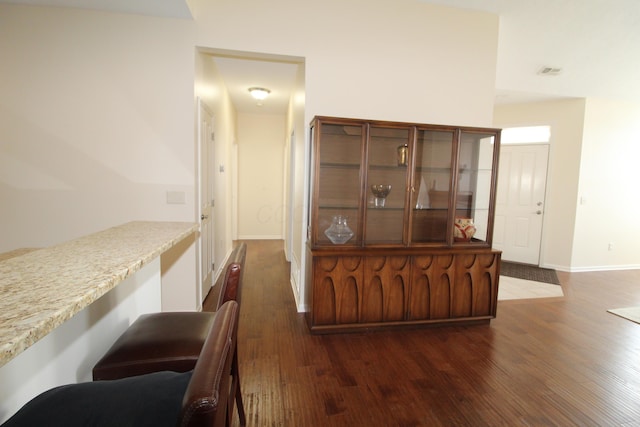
column 521, row 193
column 259, row 146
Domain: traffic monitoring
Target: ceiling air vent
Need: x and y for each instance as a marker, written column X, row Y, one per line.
column 549, row 71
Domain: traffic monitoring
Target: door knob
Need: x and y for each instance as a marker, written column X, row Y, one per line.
column 203, row 217
column 538, row 212
column 539, row 203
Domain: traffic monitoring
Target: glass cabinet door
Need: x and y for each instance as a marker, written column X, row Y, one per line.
column 431, row 186
column 338, row 183
column 386, row 184
column 475, row 164
column 393, row 184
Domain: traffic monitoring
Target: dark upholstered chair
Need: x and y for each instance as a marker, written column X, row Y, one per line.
column 171, row 341
column 194, row 398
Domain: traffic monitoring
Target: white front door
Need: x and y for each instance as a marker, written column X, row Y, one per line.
column 522, row 176
column 205, row 199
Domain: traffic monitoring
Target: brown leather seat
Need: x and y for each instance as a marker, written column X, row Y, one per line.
column 195, row 398
column 172, row 341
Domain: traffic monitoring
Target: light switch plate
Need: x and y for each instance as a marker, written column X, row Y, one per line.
column 175, row 198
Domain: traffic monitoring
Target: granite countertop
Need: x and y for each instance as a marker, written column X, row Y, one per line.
column 41, row 289
column 16, row 252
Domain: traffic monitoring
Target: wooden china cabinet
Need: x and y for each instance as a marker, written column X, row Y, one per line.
column 394, row 261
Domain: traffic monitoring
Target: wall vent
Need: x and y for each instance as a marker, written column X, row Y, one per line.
column 549, row 71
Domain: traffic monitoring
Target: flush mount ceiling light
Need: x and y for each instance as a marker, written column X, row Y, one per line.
column 259, row 92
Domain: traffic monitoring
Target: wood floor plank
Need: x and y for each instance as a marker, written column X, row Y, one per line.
column 541, row 362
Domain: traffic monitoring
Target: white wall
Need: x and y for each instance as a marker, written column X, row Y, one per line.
column 566, row 119
column 406, row 61
column 426, row 63
column 608, row 187
column 210, row 87
column 97, row 122
column 97, row 109
column 297, row 170
column 261, row 205
column 594, row 145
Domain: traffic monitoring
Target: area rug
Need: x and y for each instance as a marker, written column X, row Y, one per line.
column 629, row 313
column 529, row 272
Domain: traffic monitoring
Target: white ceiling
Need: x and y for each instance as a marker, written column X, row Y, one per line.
column 596, row 43
column 240, row 74
column 164, row 8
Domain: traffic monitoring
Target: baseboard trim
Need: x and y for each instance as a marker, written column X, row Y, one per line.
column 591, row 268
column 260, row 237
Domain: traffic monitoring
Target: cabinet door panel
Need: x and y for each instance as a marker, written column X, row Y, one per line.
column 372, row 300
column 340, row 187
column 384, row 226
column 431, row 281
column 395, row 303
column 385, row 170
column 475, row 180
column 341, row 144
column 479, row 271
column 324, row 301
column 431, row 186
column 335, row 299
column 347, row 301
column 462, row 296
column 337, row 187
column 386, row 288
column 421, row 284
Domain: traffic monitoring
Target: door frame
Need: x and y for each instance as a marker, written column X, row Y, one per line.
column 202, row 108
column 290, row 161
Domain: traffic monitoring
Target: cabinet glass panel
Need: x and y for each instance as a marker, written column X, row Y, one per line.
column 431, row 186
column 339, row 178
column 386, row 184
column 475, row 166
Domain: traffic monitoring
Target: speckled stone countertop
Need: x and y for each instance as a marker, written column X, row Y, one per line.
column 40, row 289
column 16, row 252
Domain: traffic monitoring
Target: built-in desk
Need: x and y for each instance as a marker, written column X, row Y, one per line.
column 62, row 307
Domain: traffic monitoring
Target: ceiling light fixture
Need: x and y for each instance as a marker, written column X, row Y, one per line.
column 259, row 92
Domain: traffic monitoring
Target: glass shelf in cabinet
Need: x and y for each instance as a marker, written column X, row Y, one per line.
column 334, row 165
column 390, row 167
column 446, row 169
column 384, row 208
column 329, row 205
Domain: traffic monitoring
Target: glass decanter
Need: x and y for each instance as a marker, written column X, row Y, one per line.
column 339, row 231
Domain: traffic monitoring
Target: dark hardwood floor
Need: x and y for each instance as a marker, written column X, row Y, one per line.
column 541, row 362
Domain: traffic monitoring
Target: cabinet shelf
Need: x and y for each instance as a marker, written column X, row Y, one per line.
column 337, row 206
column 340, row 165
column 389, row 168
column 385, row 208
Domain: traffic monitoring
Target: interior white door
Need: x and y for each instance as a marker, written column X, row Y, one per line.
column 522, row 175
column 205, row 199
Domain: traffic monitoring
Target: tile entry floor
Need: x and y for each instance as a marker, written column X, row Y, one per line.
column 514, row 288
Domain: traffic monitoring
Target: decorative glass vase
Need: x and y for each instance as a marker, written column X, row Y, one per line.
column 339, row 231
column 380, row 191
column 403, row 155
column 463, row 229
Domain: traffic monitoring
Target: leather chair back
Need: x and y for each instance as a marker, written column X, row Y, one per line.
column 231, row 285
column 206, row 398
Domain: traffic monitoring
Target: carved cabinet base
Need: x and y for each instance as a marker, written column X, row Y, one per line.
column 369, row 290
